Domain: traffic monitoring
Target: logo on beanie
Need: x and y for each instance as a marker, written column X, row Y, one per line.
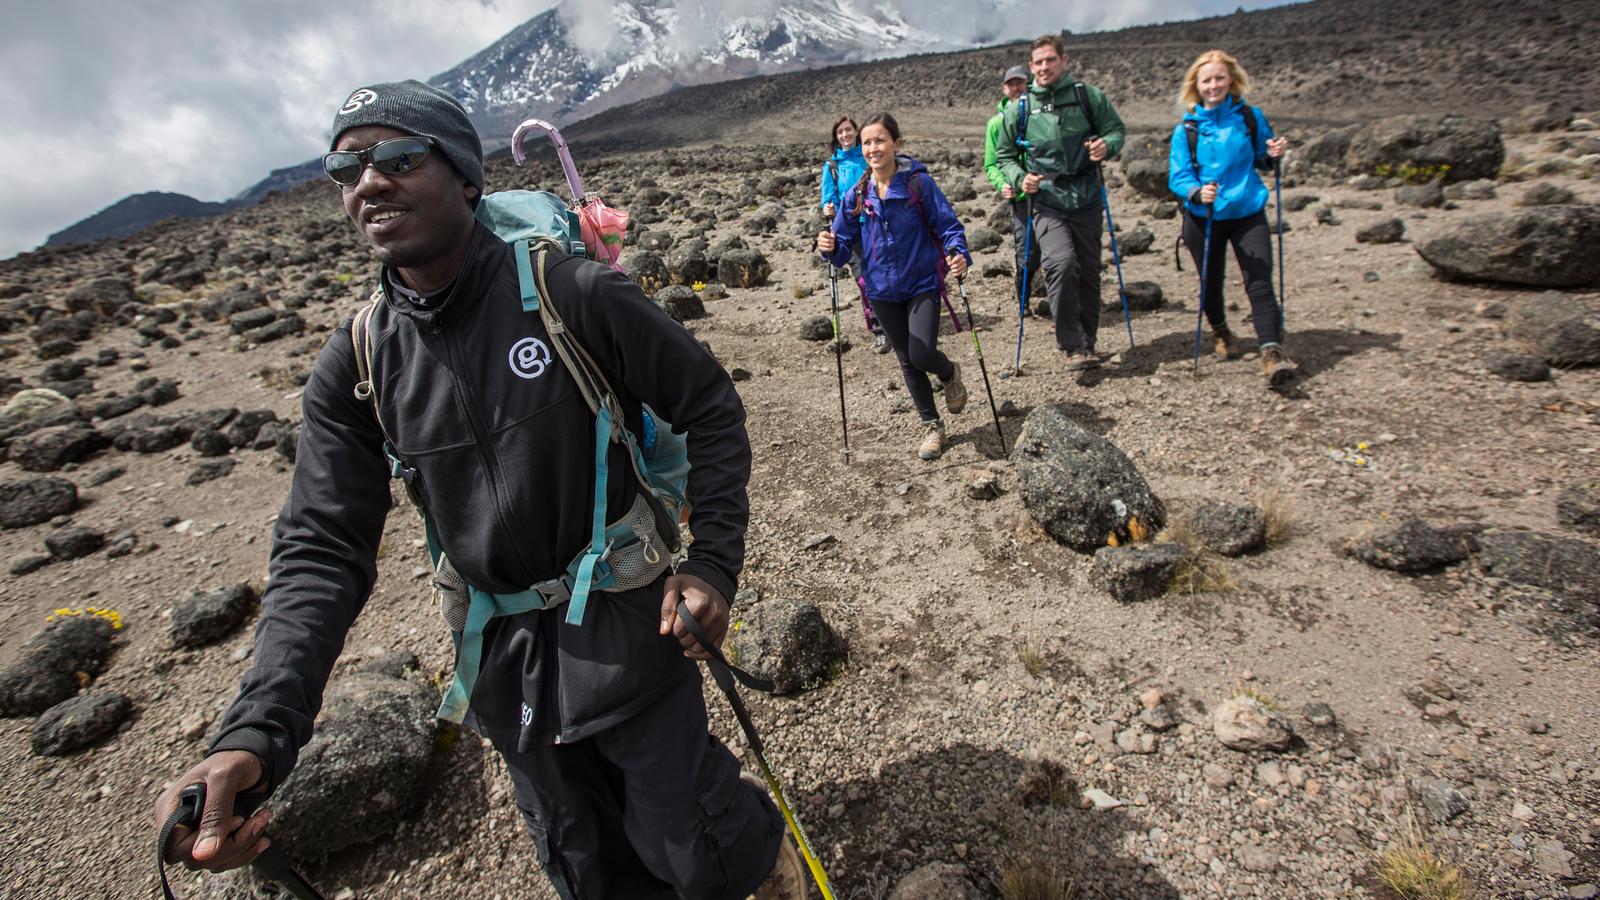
column 357, row 100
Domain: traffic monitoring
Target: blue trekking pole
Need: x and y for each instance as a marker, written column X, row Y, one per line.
column 1116, row 257
column 1205, row 269
column 1277, row 192
column 1022, row 301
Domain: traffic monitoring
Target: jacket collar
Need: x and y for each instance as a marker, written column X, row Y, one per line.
column 484, row 257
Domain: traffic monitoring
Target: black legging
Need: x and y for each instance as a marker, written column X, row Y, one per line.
column 913, row 330
column 1252, row 247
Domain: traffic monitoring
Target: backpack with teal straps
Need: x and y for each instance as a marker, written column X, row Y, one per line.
column 628, row 553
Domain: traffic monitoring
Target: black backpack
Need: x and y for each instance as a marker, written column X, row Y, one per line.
column 1079, row 90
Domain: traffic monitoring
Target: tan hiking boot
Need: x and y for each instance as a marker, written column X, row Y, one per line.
column 933, row 441
column 1227, row 344
column 1277, row 366
column 955, row 391
column 788, row 878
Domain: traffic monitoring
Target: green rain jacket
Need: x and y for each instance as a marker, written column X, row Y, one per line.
column 991, row 137
column 1057, row 129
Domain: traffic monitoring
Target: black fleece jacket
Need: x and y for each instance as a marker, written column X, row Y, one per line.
column 502, row 443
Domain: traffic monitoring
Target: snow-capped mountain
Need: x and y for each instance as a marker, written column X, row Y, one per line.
column 582, row 57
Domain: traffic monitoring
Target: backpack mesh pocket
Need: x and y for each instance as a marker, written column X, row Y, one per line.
column 641, row 562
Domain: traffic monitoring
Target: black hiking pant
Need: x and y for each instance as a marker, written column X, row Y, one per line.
column 1252, row 247
column 649, row 809
column 1069, row 247
column 853, row 269
column 1025, row 249
column 913, row 330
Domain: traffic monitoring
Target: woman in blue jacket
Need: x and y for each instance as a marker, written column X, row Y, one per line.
column 844, row 168
column 903, row 247
column 1230, row 140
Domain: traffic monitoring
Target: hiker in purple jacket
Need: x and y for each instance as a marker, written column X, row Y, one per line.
column 908, row 236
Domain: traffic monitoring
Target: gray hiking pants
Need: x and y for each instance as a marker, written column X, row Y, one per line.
column 649, row 809
column 1069, row 247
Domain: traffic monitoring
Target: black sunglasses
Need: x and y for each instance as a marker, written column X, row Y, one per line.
column 395, row 156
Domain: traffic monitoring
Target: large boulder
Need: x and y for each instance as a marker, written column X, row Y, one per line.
column 690, row 263
column 1564, row 566
column 680, row 302
column 743, row 268
column 1558, row 329
column 48, row 449
column 1424, row 147
column 1144, row 165
column 788, row 642
column 32, row 501
column 647, row 270
column 1322, row 157
column 363, row 770
column 52, row 664
column 1079, row 486
column 1544, row 246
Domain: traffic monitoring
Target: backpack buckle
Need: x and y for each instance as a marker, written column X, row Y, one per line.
column 555, row 591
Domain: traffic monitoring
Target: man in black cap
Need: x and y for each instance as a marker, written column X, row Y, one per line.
column 601, row 723
column 1012, row 86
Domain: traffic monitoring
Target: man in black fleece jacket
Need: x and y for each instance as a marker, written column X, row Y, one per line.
column 602, row 724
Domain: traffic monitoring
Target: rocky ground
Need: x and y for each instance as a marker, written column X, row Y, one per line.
column 1264, row 724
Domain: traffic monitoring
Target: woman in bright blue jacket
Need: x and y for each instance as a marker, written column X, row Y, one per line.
column 1218, row 179
column 844, row 168
column 903, row 245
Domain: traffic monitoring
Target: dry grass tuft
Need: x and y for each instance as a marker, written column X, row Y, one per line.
column 1203, row 574
column 1415, row 871
column 1031, row 657
column 1275, row 507
column 1032, row 879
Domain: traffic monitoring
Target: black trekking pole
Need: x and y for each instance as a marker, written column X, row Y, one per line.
column 838, row 359
column 1205, row 269
column 1022, row 302
column 961, row 284
column 272, row 863
column 1116, row 256
column 1277, row 192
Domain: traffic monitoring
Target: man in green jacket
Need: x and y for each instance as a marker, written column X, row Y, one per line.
column 1057, row 165
column 1013, row 85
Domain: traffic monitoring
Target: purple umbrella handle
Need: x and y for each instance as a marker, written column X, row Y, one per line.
column 573, row 181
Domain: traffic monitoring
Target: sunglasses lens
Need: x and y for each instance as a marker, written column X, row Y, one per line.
column 398, row 156
column 342, row 167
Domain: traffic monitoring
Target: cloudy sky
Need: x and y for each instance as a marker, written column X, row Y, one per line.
column 104, row 100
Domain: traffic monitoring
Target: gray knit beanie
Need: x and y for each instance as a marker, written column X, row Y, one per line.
column 419, row 109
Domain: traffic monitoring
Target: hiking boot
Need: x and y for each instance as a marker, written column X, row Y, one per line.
column 955, row 392
column 1227, row 344
column 880, row 343
column 1081, row 359
column 933, row 441
column 1277, row 366
column 788, row 878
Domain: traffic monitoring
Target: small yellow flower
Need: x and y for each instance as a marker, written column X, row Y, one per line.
column 1361, row 446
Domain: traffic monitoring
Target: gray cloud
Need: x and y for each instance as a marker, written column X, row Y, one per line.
column 204, row 99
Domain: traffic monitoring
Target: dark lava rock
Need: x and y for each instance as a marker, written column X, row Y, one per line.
column 1079, row 486
column 107, row 475
column 1133, row 572
column 210, row 471
column 242, row 431
column 204, row 618
column 1482, row 189
column 1564, row 566
column 210, row 443
column 1164, row 210
column 1440, row 798
column 71, row 543
column 1559, row 330
column 112, row 407
column 1578, row 507
column 1412, row 546
column 680, row 302
column 1148, row 177
column 1546, row 194
column 1430, row 195
column 816, row 328
column 980, row 239
column 647, row 270
column 48, row 449
column 1226, row 528
column 1453, row 148
column 1518, row 367
column 47, row 667
column 1143, row 296
column 1137, row 241
column 743, row 268
column 1297, row 202
column 788, row 642
column 161, row 392
column 33, row 562
column 1389, row 231
column 363, row 770
column 74, row 724
column 35, row 500
column 689, row 263
column 286, row 325
column 152, row 439
column 240, row 322
column 103, row 295
column 1544, row 246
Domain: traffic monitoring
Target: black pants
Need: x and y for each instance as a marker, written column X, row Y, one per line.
column 1025, row 248
column 650, row 809
column 913, row 330
column 1069, row 246
column 853, row 269
column 1252, row 247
